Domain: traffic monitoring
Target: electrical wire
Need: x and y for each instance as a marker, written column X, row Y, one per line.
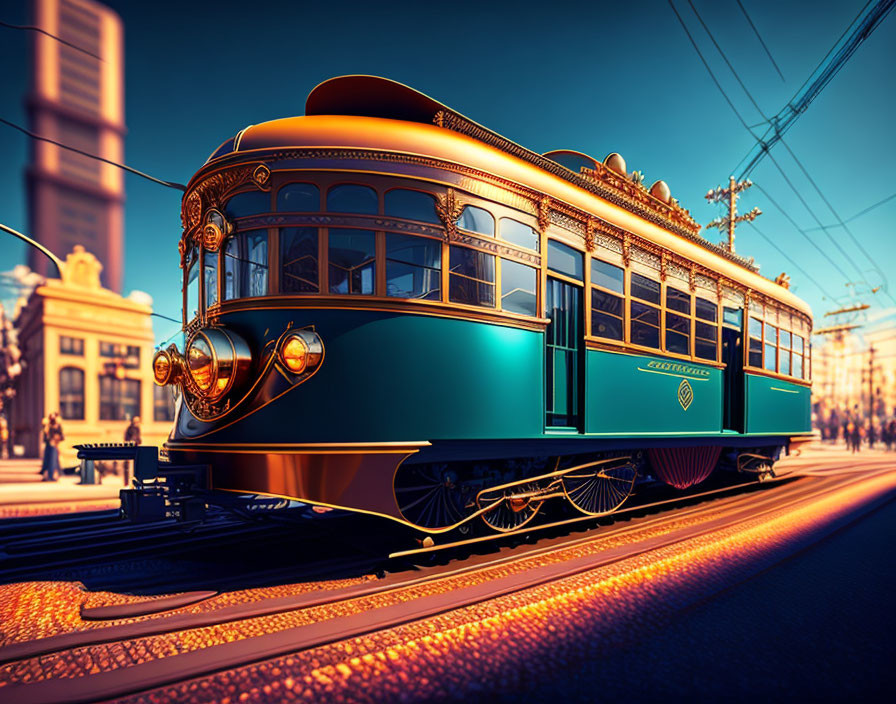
column 759, row 37
column 797, row 266
column 169, row 184
column 32, row 28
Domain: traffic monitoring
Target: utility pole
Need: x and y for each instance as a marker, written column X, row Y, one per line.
column 871, row 384
column 717, row 195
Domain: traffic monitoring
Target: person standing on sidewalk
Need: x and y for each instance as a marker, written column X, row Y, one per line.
column 132, row 432
column 52, row 436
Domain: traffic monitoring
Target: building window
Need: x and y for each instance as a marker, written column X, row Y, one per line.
column 71, row 393
column 119, row 398
column 246, row 265
column 755, row 358
column 298, row 260
column 71, row 345
column 519, row 284
column 249, row 203
column 298, row 198
column 472, row 277
column 351, row 198
column 771, row 341
column 678, row 321
column 519, row 234
column 477, row 220
column 413, row 267
column 162, row 404
column 126, row 355
column 352, row 261
column 413, row 205
column 645, row 313
column 607, row 296
column 706, row 329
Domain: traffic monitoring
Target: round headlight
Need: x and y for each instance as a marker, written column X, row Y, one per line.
column 216, row 361
column 301, row 351
column 165, row 367
column 294, row 354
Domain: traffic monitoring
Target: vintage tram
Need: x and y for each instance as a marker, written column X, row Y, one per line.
column 390, row 309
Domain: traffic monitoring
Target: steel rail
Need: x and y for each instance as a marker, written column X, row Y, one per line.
column 296, row 638
column 393, row 582
column 178, row 668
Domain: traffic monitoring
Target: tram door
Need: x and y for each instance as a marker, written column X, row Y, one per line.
column 564, row 358
column 733, row 380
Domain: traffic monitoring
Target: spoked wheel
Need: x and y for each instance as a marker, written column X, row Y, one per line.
column 600, row 489
column 430, row 496
column 511, row 508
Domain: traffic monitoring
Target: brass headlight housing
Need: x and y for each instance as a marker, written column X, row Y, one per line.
column 216, row 362
column 301, row 351
column 167, row 366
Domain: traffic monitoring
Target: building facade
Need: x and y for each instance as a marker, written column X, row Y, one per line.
column 86, row 354
column 77, row 98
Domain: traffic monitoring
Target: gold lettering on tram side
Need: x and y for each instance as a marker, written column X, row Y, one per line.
column 676, row 369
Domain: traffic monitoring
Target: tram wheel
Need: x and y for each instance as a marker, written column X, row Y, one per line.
column 599, row 489
column 430, row 496
column 511, row 508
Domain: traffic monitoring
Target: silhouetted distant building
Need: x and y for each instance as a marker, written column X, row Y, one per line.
column 78, row 100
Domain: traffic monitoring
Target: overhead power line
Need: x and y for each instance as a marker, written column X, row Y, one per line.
column 857, row 215
column 169, row 184
column 759, row 37
column 31, row 28
column 865, row 23
column 795, row 265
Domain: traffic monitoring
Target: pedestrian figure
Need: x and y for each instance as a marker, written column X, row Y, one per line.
column 132, row 432
column 872, row 434
column 891, row 432
column 852, row 436
column 4, row 438
column 52, row 436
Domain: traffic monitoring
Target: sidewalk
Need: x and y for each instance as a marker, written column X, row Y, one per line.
column 19, row 470
column 31, row 498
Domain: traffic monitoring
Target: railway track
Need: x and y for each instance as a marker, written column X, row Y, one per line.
column 406, row 594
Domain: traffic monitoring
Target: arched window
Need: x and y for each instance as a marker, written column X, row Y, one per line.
column 298, row 198
column 249, row 203
column 352, row 198
column 414, row 205
column 477, row 220
column 71, row 393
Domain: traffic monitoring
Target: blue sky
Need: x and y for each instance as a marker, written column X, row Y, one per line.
column 596, row 77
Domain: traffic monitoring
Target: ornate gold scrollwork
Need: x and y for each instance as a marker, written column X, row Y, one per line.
column 262, row 177
column 664, row 260
column 544, row 214
column 626, row 249
column 590, row 228
column 692, row 279
column 216, row 228
column 449, row 209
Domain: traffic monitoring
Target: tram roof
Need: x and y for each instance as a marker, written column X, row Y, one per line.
column 369, row 112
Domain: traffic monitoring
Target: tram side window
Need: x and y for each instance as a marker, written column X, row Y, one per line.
column 706, row 329
column 211, row 278
column 607, row 295
column 413, row 205
column 678, row 323
column 518, row 287
column 645, row 316
column 246, row 265
column 755, row 358
column 298, row 198
column 192, row 291
column 784, row 352
column 798, row 350
column 477, row 220
column 413, row 267
column 352, row 198
column 298, row 260
column 771, row 341
column 565, row 260
column 352, row 261
column 249, row 203
column 519, row 234
column 472, row 277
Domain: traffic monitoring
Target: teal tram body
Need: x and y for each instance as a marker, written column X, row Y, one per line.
column 391, row 309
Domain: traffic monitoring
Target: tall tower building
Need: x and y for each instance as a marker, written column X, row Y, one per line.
column 77, row 99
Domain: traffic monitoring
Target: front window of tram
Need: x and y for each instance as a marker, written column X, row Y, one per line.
column 192, row 300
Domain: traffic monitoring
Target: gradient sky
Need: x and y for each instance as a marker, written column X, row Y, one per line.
column 596, row 77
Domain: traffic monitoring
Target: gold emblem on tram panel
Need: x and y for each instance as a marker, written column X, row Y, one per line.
column 685, row 394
